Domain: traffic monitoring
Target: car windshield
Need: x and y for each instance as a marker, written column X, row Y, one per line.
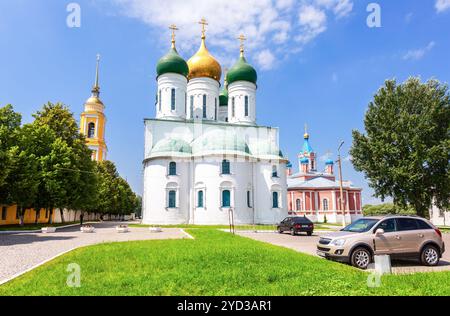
column 361, row 225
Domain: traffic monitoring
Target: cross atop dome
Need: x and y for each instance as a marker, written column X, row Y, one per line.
column 174, row 28
column 203, row 23
column 242, row 40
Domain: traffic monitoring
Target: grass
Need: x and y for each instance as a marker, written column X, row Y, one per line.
column 445, row 229
column 34, row 226
column 214, row 263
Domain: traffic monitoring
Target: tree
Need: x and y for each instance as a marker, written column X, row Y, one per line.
column 405, row 151
column 9, row 126
column 68, row 178
column 386, row 209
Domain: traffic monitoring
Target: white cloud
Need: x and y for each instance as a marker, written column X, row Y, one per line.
column 265, row 59
column 268, row 24
column 442, row 5
column 416, row 54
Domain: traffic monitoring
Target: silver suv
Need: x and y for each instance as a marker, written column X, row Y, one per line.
column 397, row 236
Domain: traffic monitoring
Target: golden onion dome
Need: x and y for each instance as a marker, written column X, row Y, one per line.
column 203, row 64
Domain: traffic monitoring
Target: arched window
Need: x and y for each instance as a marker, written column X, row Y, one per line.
column 200, row 199
column 325, row 204
column 91, row 130
column 246, row 105
column 298, row 205
column 159, row 100
column 192, row 107
column 226, row 198
column 172, row 100
column 249, row 202
column 275, row 203
column 172, row 168
column 172, row 199
column 313, row 167
column 274, row 172
column 204, row 106
column 225, row 167
column 233, row 103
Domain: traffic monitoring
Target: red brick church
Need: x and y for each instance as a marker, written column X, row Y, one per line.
column 315, row 193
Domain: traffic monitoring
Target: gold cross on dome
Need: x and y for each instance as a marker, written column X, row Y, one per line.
column 306, row 128
column 203, row 22
column 242, row 39
column 174, row 28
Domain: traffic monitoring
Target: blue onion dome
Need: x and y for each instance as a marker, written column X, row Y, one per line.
column 304, row 161
column 329, row 162
column 289, row 164
column 172, row 62
column 242, row 71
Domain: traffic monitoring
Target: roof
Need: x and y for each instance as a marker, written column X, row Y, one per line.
column 318, row 182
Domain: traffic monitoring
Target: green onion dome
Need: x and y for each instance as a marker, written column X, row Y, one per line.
column 242, row 71
column 172, row 62
column 223, row 97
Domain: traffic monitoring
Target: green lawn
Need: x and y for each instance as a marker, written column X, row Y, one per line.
column 214, row 263
column 34, row 226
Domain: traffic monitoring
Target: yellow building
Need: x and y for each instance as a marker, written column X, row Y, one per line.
column 93, row 121
column 10, row 216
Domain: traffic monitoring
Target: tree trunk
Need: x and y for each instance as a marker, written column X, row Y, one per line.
column 21, row 216
column 61, row 212
column 36, row 219
column 50, row 217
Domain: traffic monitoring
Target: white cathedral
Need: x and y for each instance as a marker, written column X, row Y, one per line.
column 206, row 160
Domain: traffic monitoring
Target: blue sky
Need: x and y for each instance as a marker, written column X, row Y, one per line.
column 318, row 61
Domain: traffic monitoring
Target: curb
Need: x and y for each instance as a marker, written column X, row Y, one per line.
column 39, row 230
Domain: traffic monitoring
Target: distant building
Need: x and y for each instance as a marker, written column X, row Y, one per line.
column 315, row 194
column 439, row 217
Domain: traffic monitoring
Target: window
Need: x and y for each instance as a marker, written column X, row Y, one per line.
column 4, row 211
column 298, row 205
column 200, row 199
column 159, row 100
column 406, row 224
column 172, row 169
column 388, row 225
column 232, row 107
column 192, row 107
column 172, row 102
column 226, row 198
column 274, row 172
column 275, row 203
column 204, row 106
column 423, row 225
column 225, row 167
column 172, row 199
column 246, row 105
column 249, row 203
column 325, row 204
column 91, row 130
column 215, row 109
column 312, row 165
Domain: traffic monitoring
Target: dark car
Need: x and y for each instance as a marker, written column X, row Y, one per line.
column 295, row 225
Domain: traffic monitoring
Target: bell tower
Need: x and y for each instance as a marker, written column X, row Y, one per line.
column 93, row 121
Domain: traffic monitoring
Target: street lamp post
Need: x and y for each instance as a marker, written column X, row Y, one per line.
column 341, row 198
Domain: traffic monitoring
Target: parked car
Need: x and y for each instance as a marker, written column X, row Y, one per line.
column 295, row 225
column 401, row 237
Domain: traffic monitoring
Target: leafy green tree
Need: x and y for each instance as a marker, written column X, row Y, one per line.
column 405, row 151
column 386, row 209
column 9, row 127
column 68, row 178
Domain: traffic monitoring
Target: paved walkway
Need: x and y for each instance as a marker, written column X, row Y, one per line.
column 21, row 252
column 305, row 244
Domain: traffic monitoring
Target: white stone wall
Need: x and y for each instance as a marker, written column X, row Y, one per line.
column 438, row 217
column 166, row 83
column 238, row 91
column 198, row 87
column 223, row 113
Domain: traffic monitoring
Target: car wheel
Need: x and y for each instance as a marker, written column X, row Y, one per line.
column 309, row 233
column 280, row 231
column 429, row 256
column 293, row 232
column 361, row 258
